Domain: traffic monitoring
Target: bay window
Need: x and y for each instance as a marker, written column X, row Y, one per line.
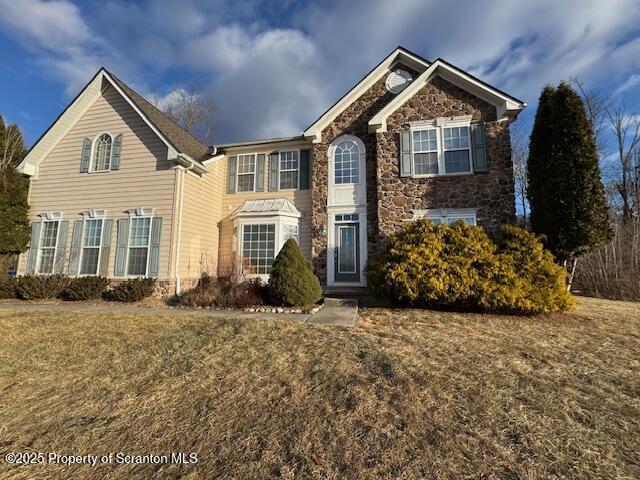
column 258, row 248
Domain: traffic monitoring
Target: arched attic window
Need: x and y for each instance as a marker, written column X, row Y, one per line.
column 102, row 148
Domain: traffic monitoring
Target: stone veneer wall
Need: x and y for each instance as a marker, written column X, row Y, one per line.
column 390, row 198
column 492, row 192
column 354, row 121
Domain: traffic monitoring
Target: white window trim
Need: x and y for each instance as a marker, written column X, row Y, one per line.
column 446, row 214
column 93, row 146
column 439, row 125
column 139, row 213
column 278, row 221
column 280, row 170
column 255, row 168
column 55, row 247
column 361, row 169
column 99, row 247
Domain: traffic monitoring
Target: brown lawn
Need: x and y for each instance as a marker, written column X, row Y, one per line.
column 404, row 394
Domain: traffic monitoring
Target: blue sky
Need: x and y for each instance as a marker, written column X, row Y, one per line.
column 273, row 66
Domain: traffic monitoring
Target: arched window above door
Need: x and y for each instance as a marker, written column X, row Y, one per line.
column 347, row 162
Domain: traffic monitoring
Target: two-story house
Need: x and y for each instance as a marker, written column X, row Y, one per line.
column 118, row 189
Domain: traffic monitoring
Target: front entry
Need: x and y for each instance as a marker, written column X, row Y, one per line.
column 347, row 253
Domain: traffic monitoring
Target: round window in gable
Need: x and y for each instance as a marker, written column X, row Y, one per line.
column 398, row 81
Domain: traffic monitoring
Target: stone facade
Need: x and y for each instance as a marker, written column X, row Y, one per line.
column 354, row 121
column 391, row 199
column 491, row 192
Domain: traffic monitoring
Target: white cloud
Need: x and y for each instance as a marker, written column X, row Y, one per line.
column 272, row 69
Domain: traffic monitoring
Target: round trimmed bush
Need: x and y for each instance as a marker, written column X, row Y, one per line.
column 85, row 288
column 292, row 281
column 458, row 266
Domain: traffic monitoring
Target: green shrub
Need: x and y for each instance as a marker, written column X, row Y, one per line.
column 211, row 292
column 32, row 287
column 292, row 281
column 8, row 287
column 132, row 290
column 85, row 288
column 458, row 266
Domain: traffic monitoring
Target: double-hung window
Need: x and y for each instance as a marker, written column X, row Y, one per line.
column 139, row 238
column 457, row 155
column 289, row 165
column 425, row 151
column 441, row 150
column 246, row 173
column 258, row 248
column 47, row 247
column 91, row 243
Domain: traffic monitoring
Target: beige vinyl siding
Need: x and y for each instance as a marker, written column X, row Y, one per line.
column 145, row 177
column 231, row 201
column 202, row 210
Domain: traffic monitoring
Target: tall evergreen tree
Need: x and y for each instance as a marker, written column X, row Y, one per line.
column 566, row 194
column 14, row 209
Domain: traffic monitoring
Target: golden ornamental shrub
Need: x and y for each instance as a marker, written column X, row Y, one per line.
column 459, row 266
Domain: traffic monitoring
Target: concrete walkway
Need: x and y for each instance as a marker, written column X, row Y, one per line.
column 334, row 311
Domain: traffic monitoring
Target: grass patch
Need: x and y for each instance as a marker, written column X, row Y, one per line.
column 403, row 394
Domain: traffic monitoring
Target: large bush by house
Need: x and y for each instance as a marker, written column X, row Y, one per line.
column 132, row 290
column 34, row 287
column 8, row 287
column 459, row 266
column 292, row 281
column 212, row 292
column 85, row 288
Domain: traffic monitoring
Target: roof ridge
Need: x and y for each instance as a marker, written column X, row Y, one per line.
column 146, row 104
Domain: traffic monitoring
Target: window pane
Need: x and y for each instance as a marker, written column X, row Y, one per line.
column 347, row 163
column 89, row 264
column 46, row 260
column 140, row 229
column 246, row 164
column 102, row 152
column 258, row 245
column 92, row 233
column 245, row 183
column 426, row 163
column 456, row 138
column 425, row 141
column 289, row 179
column 49, row 234
column 457, row 161
column 290, row 231
column 137, row 264
column 289, row 160
column 347, row 250
column 469, row 220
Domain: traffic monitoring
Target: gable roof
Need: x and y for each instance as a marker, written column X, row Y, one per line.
column 180, row 138
column 505, row 104
column 179, row 142
column 400, row 54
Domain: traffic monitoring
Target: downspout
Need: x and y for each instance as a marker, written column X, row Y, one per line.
column 179, row 233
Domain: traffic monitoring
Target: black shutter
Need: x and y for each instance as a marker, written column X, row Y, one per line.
column 305, row 170
column 478, row 148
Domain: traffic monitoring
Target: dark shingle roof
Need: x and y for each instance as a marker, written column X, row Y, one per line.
column 179, row 138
